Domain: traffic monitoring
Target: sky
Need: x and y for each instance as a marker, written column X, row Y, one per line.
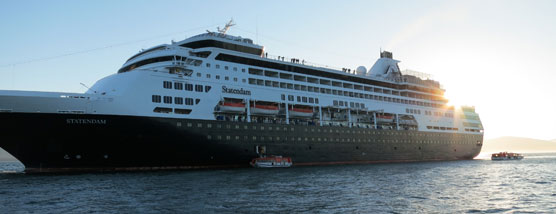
column 495, row 55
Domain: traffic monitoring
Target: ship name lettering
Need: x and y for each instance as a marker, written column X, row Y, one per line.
column 86, row 121
column 235, row 91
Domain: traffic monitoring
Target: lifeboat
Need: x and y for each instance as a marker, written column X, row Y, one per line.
column 264, row 108
column 271, row 162
column 381, row 118
column 407, row 120
column 297, row 111
column 506, row 156
column 237, row 107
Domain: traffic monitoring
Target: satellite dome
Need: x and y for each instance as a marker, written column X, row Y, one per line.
column 361, row 70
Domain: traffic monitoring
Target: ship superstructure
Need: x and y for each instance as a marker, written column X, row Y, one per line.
column 213, row 100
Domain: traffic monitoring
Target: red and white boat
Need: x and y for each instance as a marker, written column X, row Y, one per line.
column 298, row 111
column 271, row 162
column 506, row 156
column 264, row 108
column 381, row 118
column 238, row 107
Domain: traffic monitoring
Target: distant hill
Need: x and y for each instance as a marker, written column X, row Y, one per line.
column 518, row 144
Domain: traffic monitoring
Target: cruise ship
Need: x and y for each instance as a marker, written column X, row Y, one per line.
column 217, row 101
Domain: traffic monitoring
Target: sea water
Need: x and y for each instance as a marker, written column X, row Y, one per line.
column 473, row 186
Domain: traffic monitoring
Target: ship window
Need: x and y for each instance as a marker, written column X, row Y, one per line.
column 243, row 80
column 168, row 99
column 317, row 100
column 341, row 103
column 178, row 100
column 208, row 65
column 298, row 99
column 144, row 62
column 208, row 75
column 311, row 100
column 356, row 105
column 199, row 74
column 304, row 99
column 243, row 70
column 182, row 111
column 198, row 88
column 197, row 101
column 178, row 86
column 207, row 88
column 235, row 79
column 188, row 87
column 290, row 97
column 283, row 97
column 235, row 69
column 157, row 99
column 217, row 66
column 223, row 45
column 162, row 110
column 217, row 77
column 226, row 78
column 189, row 101
column 167, row 84
column 225, row 67
column 351, row 105
column 335, row 102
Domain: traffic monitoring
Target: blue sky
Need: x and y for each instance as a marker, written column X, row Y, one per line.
column 495, row 55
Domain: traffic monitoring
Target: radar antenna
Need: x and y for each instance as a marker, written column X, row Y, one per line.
column 226, row 27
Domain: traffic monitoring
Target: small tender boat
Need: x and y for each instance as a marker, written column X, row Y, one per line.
column 271, row 161
column 506, row 156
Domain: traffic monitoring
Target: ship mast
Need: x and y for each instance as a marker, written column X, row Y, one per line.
column 226, row 27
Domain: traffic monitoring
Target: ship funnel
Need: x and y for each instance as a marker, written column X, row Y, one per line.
column 384, row 66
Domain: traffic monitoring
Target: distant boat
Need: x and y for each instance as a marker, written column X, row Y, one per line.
column 506, row 156
column 271, row 162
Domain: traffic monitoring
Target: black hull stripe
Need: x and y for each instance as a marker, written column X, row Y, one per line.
column 75, row 142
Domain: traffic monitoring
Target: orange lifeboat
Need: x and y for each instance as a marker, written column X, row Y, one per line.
column 381, row 118
column 301, row 111
column 237, row 107
column 264, row 108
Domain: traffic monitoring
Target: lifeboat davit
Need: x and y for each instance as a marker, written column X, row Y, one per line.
column 264, row 108
column 297, row 111
column 237, row 107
